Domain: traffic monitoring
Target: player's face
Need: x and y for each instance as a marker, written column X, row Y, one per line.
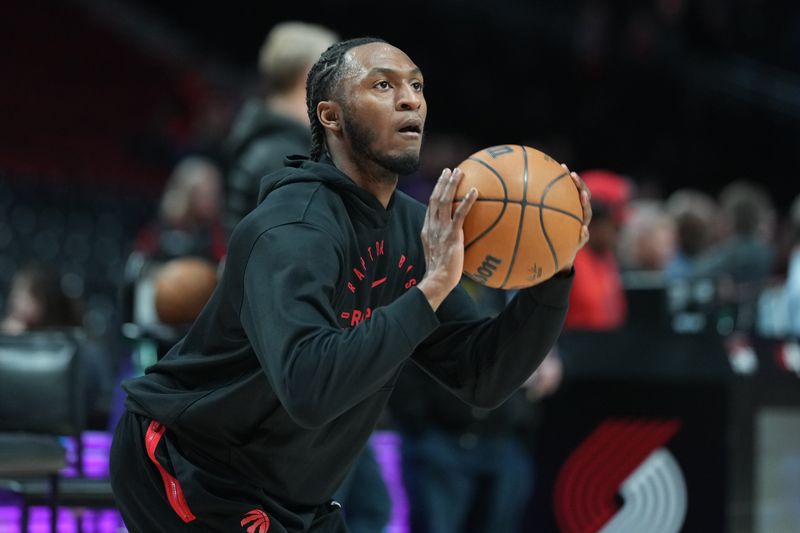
column 384, row 108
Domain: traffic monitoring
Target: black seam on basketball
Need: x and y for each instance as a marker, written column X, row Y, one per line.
column 528, row 204
column 558, row 210
column 521, row 216
column 541, row 218
column 502, row 211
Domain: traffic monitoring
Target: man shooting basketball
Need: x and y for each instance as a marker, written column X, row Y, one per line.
column 252, row 420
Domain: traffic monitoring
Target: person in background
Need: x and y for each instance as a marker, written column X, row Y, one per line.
column 189, row 219
column 744, row 257
column 36, row 302
column 597, row 301
column 696, row 219
column 778, row 314
column 268, row 129
column 648, row 237
column 188, row 227
column 793, row 275
column 741, row 263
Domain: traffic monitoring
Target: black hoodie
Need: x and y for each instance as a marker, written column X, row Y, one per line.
column 283, row 376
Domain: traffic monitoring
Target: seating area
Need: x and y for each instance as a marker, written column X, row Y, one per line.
column 86, row 230
column 43, row 405
column 84, row 507
column 84, row 152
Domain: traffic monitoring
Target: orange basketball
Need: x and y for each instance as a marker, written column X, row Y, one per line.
column 182, row 287
column 526, row 222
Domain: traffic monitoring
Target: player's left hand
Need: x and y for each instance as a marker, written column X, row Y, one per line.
column 586, row 198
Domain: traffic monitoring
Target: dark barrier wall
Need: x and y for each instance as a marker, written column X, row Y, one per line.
column 653, row 424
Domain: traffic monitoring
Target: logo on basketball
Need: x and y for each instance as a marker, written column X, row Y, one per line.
column 536, row 272
column 488, row 268
column 497, row 151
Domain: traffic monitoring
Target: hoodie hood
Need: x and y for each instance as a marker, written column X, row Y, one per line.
column 300, row 169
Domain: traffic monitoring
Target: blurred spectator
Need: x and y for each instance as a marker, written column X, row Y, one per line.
column 467, row 469
column 36, row 301
column 266, row 131
column 647, row 240
column 189, row 219
column 695, row 216
column 779, row 302
column 597, row 300
column 793, row 277
column 742, row 262
column 187, row 231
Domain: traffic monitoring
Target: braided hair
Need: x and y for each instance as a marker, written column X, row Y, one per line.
column 323, row 80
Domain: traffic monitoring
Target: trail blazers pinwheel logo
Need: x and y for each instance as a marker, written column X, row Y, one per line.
column 622, row 480
column 256, row 521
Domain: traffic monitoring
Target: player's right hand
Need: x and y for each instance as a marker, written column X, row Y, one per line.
column 443, row 238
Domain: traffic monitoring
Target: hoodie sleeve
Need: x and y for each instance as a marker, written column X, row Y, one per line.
column 484, row 360
column 317, row 369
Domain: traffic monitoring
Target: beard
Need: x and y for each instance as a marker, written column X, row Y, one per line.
column 362, row 138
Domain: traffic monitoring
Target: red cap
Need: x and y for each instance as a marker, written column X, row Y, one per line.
column 611, row 192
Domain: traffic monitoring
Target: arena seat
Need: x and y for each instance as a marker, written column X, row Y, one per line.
column 41, row 405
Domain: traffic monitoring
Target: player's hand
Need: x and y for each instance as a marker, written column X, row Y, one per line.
column 586, row 203
column 443, row 238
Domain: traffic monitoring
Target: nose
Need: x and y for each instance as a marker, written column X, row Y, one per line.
column 408, row 98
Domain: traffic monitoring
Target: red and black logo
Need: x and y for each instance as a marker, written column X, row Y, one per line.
column 622, row 479
column 256, row 521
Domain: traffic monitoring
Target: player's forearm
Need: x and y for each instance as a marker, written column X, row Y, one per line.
column 526, row 333
column 485, row 361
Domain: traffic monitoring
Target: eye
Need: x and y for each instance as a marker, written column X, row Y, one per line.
column 417, row 85
column 383, row 85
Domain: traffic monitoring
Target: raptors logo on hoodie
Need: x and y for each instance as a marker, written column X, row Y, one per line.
column 256, row 521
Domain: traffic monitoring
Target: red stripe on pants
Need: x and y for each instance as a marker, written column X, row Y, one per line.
column 171, row 485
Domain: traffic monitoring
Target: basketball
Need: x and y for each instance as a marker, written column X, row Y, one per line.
column 182, row 287
column 526, row 222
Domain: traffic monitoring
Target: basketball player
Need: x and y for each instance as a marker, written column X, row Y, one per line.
column 332, row 284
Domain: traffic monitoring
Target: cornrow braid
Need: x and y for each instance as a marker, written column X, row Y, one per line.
column 323, row 80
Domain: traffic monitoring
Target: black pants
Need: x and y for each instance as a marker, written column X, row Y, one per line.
column 150, row 498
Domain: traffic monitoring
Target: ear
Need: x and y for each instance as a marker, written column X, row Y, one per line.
column 330, row 115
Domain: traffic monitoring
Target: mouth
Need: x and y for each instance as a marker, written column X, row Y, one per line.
column 411, row 128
